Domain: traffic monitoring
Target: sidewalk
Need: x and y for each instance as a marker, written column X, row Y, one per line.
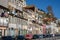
column 52, row 38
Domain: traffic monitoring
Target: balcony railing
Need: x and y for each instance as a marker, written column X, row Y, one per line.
column 3, row 21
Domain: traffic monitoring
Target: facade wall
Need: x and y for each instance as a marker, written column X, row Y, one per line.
column 17, row 4
column 20, row 26
column 17, row 26
column 4, row 21
column 4, row 3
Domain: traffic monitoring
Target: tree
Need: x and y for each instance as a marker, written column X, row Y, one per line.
column 50, row 12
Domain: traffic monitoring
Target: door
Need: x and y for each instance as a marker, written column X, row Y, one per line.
column 0, row 33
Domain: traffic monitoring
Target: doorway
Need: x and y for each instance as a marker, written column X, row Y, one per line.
column 0, row 33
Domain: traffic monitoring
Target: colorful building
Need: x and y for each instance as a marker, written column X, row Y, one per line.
column 17, row 18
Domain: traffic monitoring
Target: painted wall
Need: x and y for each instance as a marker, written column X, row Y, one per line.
column 4, row 3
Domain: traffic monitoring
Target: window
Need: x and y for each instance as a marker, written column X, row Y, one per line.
column 36, row 15
column 24, row 22
column 20, row 32
column 21, row 0
column 12, row 1
column 10, row 32
column 3, row 21
column 19, row 3
column 24, row 32
column 18, row 20
column 0, row 33
column 21, row 14
column 29, row 12
column 12, row 19
column 24, row 3
column 25, row 15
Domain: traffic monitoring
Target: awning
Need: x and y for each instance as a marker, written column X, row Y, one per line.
column 3, row 27
column 30, row 7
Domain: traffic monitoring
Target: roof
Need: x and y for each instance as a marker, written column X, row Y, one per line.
column 30, row 7
column 4, row 7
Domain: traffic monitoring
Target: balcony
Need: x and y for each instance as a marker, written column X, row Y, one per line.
column 3, row 21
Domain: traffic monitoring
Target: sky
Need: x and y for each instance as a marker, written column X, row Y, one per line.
column 42, row 4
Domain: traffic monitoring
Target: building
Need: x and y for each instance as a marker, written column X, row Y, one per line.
column 14, row 10
column 17, row 18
